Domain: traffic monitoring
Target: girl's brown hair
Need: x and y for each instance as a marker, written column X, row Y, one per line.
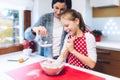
column 73, row 14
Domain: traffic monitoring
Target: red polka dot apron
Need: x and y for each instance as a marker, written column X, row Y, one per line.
column 79, row 46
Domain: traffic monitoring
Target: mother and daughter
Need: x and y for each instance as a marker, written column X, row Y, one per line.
column 79, row 46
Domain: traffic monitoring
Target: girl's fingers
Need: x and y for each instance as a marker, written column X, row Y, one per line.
column 71, row 39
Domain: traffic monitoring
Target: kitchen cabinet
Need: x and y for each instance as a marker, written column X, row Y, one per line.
column 108, row 62
column 104, row 3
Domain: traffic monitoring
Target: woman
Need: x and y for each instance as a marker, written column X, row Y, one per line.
column 80, row 47
column 49, row 26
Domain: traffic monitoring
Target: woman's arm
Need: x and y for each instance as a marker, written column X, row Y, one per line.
column 30, row 33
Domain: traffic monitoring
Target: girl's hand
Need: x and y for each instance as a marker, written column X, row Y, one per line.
column 40, row 30
column 70, row 44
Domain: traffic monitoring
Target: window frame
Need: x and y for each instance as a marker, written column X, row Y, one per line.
column 27, row 23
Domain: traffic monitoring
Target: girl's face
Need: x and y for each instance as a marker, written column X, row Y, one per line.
column 59, row 8
column 70, row 26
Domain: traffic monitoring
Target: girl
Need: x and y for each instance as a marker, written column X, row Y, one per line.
column 80, row 46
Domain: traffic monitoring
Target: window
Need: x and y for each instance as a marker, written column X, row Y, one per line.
column 13, row 22
column 10, row 27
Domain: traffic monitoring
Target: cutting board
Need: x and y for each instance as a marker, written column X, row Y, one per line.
column 34, row 72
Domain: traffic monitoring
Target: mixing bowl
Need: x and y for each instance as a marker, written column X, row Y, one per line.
column 52, row 67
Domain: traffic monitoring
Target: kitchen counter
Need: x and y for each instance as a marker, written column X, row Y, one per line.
column 6, row 65
column 110, row 45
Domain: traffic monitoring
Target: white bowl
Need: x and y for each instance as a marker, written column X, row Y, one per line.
column 27, row 51
column 51, row 68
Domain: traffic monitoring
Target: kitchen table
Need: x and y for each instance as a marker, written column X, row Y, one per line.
column 7, row 66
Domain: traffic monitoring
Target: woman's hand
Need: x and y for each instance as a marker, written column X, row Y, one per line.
column 40, row 30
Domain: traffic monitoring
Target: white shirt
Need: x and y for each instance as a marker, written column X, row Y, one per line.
column 57, row 32
column 91, row 46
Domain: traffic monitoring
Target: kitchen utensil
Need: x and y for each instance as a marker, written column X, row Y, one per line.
column 27, row 51
column 20, row 60
column 51, row 68
column 41, row 42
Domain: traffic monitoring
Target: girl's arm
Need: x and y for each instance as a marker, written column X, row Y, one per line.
column 86, row 60
column 62, row 57
column 64, row 51
column 91, row 49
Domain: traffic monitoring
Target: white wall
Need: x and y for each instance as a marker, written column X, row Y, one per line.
column 17, row 4
column 110, row 27
column 40, row 7
column 83, row 6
